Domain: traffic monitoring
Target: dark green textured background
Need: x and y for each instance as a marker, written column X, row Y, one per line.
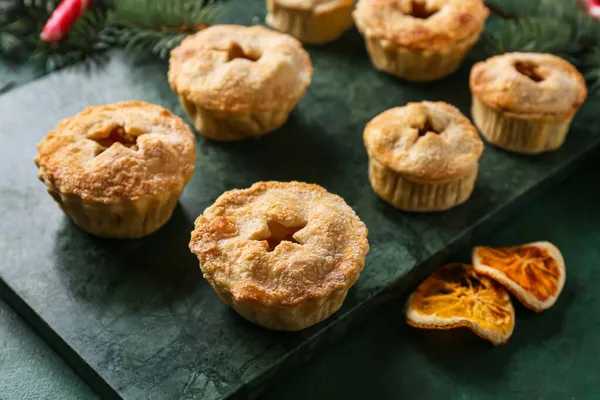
column 135, row 317
column 551, row 356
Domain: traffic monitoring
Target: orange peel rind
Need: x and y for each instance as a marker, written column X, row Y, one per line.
column 457, row 296
column 534, row 272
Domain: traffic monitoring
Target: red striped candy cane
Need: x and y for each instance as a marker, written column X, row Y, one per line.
column 62, row 19
column 593, row 8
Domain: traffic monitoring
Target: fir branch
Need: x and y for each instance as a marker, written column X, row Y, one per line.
column 592, row 66
column 142, row 43
column 157, row 13
column 20, row 21
column 533, row 34
column 512, row 9
column 144, row 28
column 161, row 27
column 151, row 28
column 85, row 42
column 541, row 26
column 499, row 12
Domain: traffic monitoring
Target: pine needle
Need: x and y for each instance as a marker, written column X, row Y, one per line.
column 161, row 27
column 532, row 34
column 151, row 28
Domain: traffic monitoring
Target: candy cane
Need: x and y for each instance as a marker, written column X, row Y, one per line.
column 593, row 7
column 61, row 20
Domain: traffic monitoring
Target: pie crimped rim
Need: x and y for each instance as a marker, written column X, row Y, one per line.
column 498, row 84
column 230, row 240
column 272, row 68
column 72, row 160
column 390, row 20
column 393, row 139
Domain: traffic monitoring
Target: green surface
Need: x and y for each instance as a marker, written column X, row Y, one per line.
column 552, row 355
column 12, row 76
column 29, row 369
column 136, row 317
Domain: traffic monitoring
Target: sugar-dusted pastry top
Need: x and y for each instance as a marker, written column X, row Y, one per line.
column 238, row 242
column 120, row 151
column 316, row 6
column 427, row 140
column 529, row 83
column 240, row 69
column 421, row 24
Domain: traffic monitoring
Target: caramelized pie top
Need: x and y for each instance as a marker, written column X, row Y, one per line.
column 529, row 85
column 421, row 24
column 240, row 69
column 120, row 151
column 429, row 141
column 280, row 243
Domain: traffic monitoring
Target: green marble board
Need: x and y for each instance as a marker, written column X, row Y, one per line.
column 135, row 318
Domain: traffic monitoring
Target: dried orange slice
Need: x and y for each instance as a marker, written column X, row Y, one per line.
column 534, row 273
column 457, row 296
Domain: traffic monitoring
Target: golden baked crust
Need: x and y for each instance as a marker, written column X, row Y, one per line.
column 430, row 141
column 424, row 24
column 240, row 69
column 280, row 244
column 122, row 151
column 315, row 6
column 529, row 85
